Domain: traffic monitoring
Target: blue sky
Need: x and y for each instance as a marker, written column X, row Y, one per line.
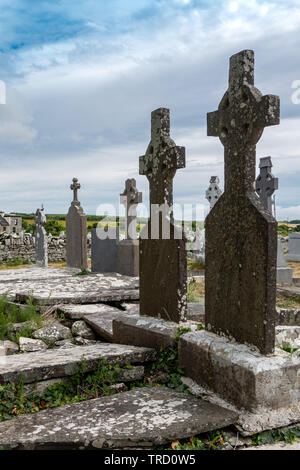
column 83, row 77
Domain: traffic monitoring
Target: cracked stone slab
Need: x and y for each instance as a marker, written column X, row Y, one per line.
column 149, row 332
column 138, row 418
column 77, row 312
column 91, row 288
column 61, row 363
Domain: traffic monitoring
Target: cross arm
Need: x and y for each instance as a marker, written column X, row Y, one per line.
column 269, row 112
column 213, row 120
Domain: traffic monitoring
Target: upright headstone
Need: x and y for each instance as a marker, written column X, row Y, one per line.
column 76, row 229
column 266, row 183
column 293, row 247
column 163, row 267
column 241, row 235
column 128, row 249
column 214, row 191
column 41, row 243
column 104, row 251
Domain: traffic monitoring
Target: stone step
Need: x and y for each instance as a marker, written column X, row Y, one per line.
column 35, row 273
column 147, row 331
column 139, row 418
column 98, row 316
column 38, row 366
column 77, row 312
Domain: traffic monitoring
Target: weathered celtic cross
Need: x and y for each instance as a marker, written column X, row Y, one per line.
column 161, row 161
column 214, row 191
column 130, row 197
column 266, row 183
column 241, row 235
column 162, row 259
column 74, row 187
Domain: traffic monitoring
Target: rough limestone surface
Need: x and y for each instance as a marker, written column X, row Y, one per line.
column 250, row 380
column 240, row 288
column 288, row 316
column 52, row 333
column 8, row 347
column 92, row 288
column 163, row 415
column 102, row 323
column 31, row 345
column 34, row 273
column 288, row 336
column 163, row 267
column 249, row 423
column 17, row 327
column 80, row 328
column 56, row 363
column 146, row 331
column 77, row 312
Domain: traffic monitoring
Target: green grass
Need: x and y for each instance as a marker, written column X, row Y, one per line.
column 10, row 314
column 195, row 291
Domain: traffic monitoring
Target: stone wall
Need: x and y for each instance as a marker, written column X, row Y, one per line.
column 21, row 246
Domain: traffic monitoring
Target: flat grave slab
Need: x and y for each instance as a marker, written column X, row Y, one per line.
column 61, row 363
column 77, row 312
column 91, row 288
column 35, row 273
column 138, row 418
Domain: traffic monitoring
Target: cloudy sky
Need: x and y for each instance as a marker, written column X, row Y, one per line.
column 83, row 77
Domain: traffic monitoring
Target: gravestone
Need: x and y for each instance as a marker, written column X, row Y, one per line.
column 241, row 235
column 266, row 183
column 293, row 247
column 163, row 267
column 104, row 251
column 128, row 249
column 76, row 229
column 214, row 191
column 41, row 243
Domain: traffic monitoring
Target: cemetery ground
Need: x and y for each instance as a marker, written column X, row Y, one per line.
column 61, row 356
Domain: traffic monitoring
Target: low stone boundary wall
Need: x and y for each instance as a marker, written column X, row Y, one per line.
column 22, row 246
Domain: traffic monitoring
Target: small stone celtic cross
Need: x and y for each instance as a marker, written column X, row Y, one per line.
column 214, row 191
column 266, row 183
column 74, row 187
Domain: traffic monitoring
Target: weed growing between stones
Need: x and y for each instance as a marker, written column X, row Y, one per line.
column 288, row 435
column 195, row 291
column 10, row 313
column 83, row 272
column 81, row 386
column 165, row 370
column 288, row 302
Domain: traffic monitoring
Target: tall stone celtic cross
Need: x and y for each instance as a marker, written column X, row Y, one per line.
column 130, row 197
column 241, row 235
column 266, row 183
column 161, row 160
column 74, row 187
